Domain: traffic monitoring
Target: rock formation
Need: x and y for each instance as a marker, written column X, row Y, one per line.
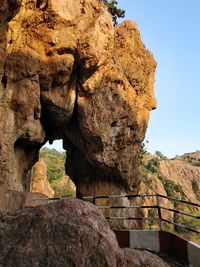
column 193, row 157
column 60, row 182
column 39, row 181
column 65, row 187
column 151, row 184
column 66, row 233
column 184, row 174
column 177, row 178
column 67, row 73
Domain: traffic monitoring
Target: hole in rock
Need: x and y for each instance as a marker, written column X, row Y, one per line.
column 4, row 81
column 42, row 4
column 38, row 3
column 48, row 174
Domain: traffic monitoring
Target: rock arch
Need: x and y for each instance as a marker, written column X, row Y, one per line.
column 72, row 75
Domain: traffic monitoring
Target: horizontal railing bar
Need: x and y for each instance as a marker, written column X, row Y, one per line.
column 119, row 196
column 132, row 218
column 179, row 200
column 94, row 198
column 138, row 195
column 89, row 197
column 126, row 207
column 58, row 198
column 148, row 207
column 181, row 212
column 143, row 195
column 41, row 199
column 113, row 207
column 180, row 225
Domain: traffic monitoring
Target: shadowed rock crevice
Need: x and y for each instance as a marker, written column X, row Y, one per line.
column 4, row 78
column 4, row 81
column 26, row 155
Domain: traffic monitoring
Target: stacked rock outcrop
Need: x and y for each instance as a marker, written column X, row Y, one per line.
column 66, row 72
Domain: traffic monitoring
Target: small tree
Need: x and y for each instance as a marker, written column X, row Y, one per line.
column 160, row 155
column 143, row 151
column 114, row 10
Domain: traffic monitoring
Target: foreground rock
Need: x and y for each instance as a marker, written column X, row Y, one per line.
column 67, row 233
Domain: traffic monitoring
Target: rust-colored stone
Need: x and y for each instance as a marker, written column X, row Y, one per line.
column 39, row 180
column 66, row 72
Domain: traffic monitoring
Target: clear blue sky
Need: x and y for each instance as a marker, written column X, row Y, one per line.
column 170, row 29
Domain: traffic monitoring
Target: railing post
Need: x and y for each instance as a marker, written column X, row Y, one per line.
column 94, row 200
column 159, row 212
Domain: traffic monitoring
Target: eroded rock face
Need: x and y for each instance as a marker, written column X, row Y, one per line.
column 113, row 112
column 39, row 180
column 184, row 174
column 67, row 233
column 67, row 73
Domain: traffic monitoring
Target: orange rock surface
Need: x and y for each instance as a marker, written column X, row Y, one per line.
column 66, row 72
column 39, row 181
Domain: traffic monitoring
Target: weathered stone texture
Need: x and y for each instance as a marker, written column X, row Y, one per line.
column 39, row 180
column 67, row 233
column 67, row 73
column 184, row 174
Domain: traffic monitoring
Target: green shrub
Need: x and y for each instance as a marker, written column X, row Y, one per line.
column 153, row 166
column 152, row 224
column 171, row 188
column 160, row 155
column 195, row 188
column 55, row 161
column 114, row 10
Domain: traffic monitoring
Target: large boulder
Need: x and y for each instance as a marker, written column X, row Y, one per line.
column 67, row 73
column 66, row 233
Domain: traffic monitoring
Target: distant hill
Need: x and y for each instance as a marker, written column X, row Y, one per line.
column 178, row 178
column 191, row 158
column 59, row 181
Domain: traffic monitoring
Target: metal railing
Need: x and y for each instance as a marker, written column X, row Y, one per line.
column 158, row 207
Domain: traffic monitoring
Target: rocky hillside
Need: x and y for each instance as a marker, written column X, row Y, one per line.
column 53, row 161
column 178, row 178
column 185, row 175
column 192, row 158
